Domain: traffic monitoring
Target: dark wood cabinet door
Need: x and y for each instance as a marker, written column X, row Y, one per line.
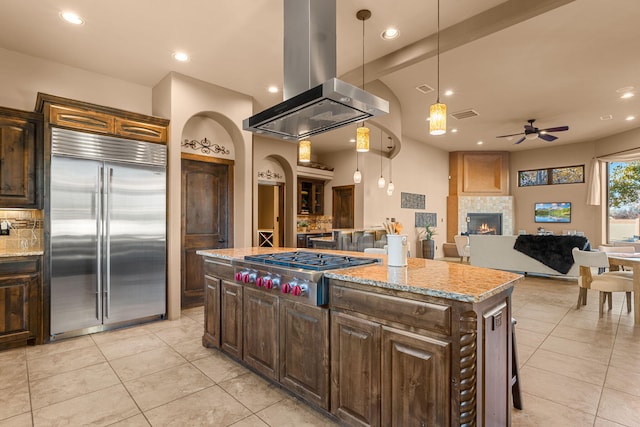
column 355, row 348
column 20, row 316
column 261, row 332
column 306, row 373
column 310, row 197
column 231, row 328
column 20, row 160
column 415, row 380
column 206, row 216
column 211, row 337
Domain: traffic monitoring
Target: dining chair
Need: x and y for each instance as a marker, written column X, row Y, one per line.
column 606, row 283
column 462, row 244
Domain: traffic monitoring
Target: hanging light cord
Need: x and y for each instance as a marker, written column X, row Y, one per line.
column 380, row 154
column 438, row 55
column 390, row 162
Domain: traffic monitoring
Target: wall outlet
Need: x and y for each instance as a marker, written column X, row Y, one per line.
column 4, row 228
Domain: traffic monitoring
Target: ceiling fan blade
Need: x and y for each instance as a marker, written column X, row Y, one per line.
column 507, row 136
column 556, row 129
column 547, row 137
column 519, row 141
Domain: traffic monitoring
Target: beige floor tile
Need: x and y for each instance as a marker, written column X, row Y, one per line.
column 622, row 379
column 585, row 335
column 164, row 386
column 57, row 388
column 619, row 407
column 212, row 406
column 293, row 413
column 66, row 361
column 595, row 352
column 13, row 373
column 145, row 363
column 108, row 337
column 219, row 367
column 601, row 422
column 14, row 398
column 192, row 349
column 250, row 421
column 532, row 339
column 135, row 421
column 590, row 320
column 573, row 367
column 185, row 332
column 623, row 357
column 524, row 353
column 563, row 390
column 252, row 391
column 540, row 412
column 168, row 324
column 534, row 325
column 102, row 407
column 22, row 420
column 59, row 347
column 13, row 355
column 131, row 345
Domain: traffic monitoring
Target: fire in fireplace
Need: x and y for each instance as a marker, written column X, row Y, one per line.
column 484, row 223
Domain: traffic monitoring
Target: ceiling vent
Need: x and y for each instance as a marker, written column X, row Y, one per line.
column 464, row 114
column 424, row 88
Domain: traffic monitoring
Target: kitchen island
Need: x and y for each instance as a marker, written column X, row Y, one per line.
column 427, row 344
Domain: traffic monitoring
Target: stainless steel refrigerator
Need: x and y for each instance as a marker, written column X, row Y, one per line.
column 107, row 232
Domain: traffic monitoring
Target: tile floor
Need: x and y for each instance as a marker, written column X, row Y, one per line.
column 576, row 370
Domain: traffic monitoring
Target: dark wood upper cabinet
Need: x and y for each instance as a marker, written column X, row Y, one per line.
column 21, row 154
column 310, row 197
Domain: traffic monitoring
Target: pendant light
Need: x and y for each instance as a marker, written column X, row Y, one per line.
column 381, row 181
column 357, row 176
column 362, row 133
column 304, row 151
column 438, row 111
column 390, row 187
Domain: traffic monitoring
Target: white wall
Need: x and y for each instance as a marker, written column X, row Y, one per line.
column 23, row 76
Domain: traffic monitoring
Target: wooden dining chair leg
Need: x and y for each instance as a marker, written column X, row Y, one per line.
column 628, row 297
column 602, row 298
column 610, row 299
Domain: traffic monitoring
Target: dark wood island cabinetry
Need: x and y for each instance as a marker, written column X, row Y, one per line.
column 428, row 344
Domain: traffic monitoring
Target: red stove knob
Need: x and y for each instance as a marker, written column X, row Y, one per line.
column 238, row 277
column 268, row 284
column 286, row 288
column 299, row 290
column 260, row 282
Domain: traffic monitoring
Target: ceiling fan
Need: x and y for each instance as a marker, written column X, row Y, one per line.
column 531, row 132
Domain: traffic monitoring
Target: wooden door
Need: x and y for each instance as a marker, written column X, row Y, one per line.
column 343, row 206
column 207, row 223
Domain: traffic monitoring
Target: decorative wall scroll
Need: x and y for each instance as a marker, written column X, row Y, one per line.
column 413, row 201
column 205, row 146
column 269, row 175
column 426, row 218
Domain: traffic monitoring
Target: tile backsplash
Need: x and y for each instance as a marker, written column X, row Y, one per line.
column 25, row 231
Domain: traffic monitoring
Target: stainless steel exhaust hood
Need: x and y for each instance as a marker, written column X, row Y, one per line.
column 315, row 100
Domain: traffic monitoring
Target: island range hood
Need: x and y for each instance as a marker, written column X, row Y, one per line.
column 315, row 100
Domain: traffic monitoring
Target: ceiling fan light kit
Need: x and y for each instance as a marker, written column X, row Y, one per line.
column 531, row 132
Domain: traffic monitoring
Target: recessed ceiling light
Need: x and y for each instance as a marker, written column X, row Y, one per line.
column 626, row 95
column 180, row 56
column 629, row 118
column 448, row 92
column 454, row 130
column 71, row 18
column 606, row 117
column 625, row 89
column 479, row 142
column 390, row 34
column 352, row 140
column 273, row 89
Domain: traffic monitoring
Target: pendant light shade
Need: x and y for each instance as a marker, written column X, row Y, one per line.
column 304, row 151
column 438, row 111
column 437, row 119
column 362, row 139
column 357, row 176
column 362, row 133
column 381, row 182
column 390, row 189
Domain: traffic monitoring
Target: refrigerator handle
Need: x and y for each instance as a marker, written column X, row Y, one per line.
column 107, row 233
column 99, row 245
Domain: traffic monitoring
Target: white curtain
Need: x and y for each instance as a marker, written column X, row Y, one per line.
column 595, row 189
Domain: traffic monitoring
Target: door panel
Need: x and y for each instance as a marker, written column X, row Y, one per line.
column 75, row 225
column 206, row 203
column 135, row 279
column 343, row 206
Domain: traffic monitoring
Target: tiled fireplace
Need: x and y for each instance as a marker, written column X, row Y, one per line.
column 476, row 206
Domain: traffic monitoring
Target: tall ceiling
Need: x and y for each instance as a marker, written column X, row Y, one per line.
column 560, row 62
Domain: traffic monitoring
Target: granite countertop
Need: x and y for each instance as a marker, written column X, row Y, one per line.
column 440, row 279
column 20, row 253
